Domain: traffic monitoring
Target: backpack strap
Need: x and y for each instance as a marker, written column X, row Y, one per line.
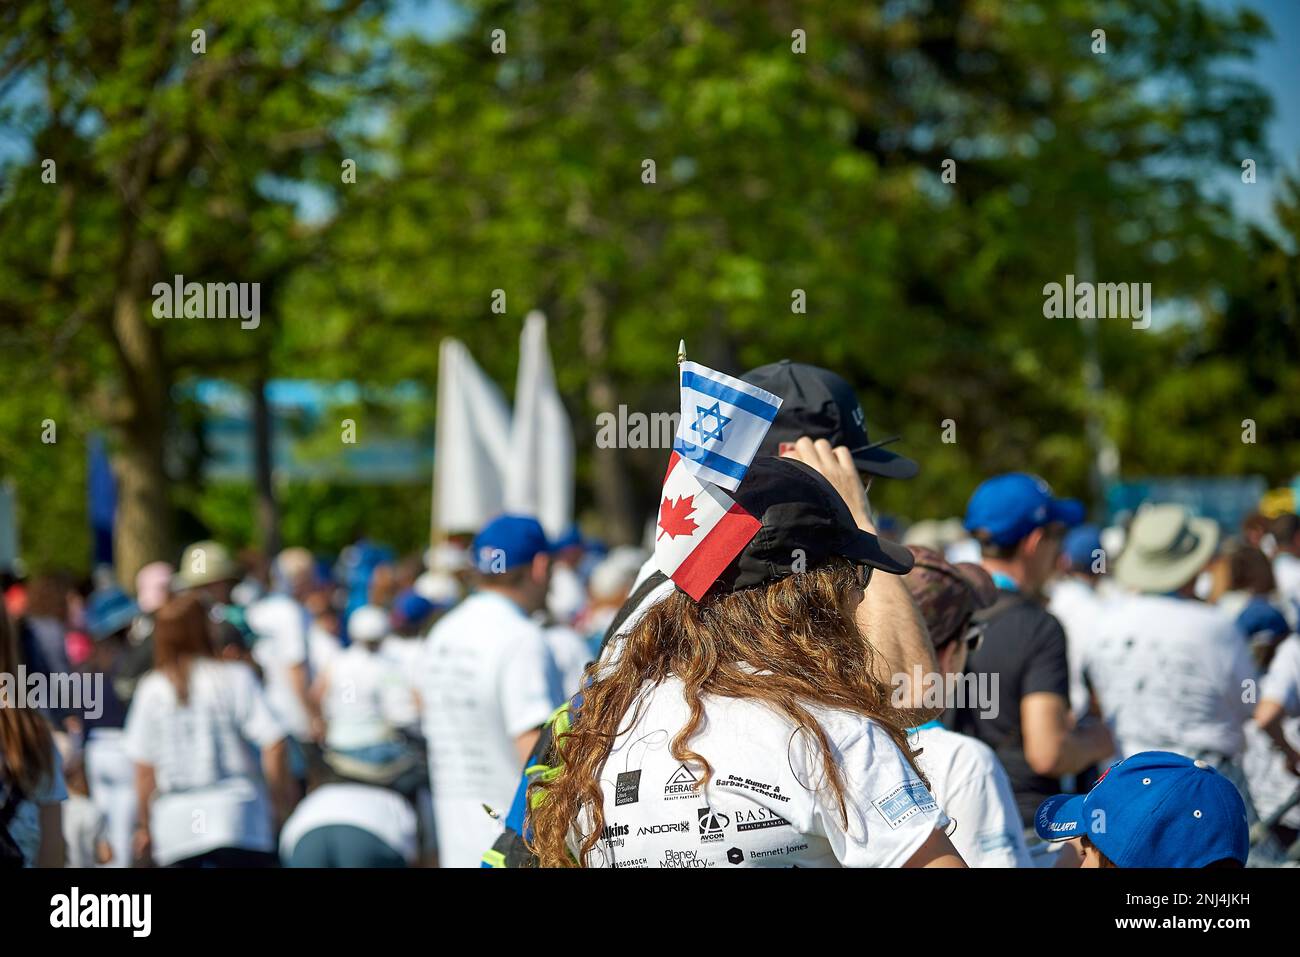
column 633, row 602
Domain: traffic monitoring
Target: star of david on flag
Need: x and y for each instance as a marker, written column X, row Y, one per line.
column 701, row 418
column 723, row 423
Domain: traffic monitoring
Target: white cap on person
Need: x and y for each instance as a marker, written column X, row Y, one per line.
column 368, row 624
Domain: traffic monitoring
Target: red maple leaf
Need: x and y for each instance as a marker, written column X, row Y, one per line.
column 675, row 518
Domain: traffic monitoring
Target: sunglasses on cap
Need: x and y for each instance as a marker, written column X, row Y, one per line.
column 974, row 636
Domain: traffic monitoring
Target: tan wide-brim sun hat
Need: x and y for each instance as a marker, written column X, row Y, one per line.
column 204, row 563
column 1167, row 547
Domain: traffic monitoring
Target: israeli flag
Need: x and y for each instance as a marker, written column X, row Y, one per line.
column 723, row 423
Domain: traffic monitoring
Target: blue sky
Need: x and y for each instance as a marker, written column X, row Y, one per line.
column 1277, row 69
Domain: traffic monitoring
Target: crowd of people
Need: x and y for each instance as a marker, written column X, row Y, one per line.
column 1017, row 689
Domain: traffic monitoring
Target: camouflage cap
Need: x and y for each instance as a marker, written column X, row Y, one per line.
column 947, row 594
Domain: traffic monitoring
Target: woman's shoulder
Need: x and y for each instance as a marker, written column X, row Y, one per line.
column 760, row 717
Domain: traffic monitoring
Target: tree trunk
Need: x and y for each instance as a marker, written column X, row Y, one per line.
column 143, row 526
column 268, row 511
column 608, row 472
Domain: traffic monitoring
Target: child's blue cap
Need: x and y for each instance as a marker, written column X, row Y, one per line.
column 1154, row 809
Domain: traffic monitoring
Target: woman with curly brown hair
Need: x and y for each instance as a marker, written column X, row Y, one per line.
column 749, row 729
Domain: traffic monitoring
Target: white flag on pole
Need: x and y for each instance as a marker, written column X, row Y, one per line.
column 472, row 445
column 539, row 480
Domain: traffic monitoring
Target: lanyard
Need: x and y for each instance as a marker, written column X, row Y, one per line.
column 1004, row 581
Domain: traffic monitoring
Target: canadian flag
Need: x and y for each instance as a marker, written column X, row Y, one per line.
column 700, row 530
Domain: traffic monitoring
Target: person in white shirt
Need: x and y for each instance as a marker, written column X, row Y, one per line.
column 363, row 694
column 489, row 681
column 1074, row 600
column 566, row 595
column 1169, row 672
column 210, row 757
column 1286, row 562
column 346, row 824
column 1271, row 761
column 965, row 775
column 292, row 650
column 85, row 826
column 748, row 729
column 1279, row 699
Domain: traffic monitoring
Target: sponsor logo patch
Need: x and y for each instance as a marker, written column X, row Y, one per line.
column 627, row 788
column 770, row 791
column 712, row 825
column 757, row 819
column 681, row 785
column 613, row 834
column 903, row 802
column 673, row 827
column 683, row 859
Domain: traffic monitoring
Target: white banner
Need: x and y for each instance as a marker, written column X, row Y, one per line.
column 472, row 446
column 539, row 479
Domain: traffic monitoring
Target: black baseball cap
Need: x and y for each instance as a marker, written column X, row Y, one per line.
column 803, row 518
column 821, row 405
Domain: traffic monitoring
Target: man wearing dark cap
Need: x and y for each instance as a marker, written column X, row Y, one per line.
column 821, row 405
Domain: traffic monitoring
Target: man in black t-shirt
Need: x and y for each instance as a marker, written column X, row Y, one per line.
column 1027, row 723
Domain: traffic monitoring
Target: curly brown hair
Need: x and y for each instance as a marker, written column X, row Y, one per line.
column 791, row 643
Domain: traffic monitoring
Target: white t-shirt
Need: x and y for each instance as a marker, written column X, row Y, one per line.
column 401, row 705
column 379, row 811
column 609, row 654
column 84, row 826
column 974, row 791
column 1282, row 682
column 286, row 638
column 1270, row 783
column 765, row 802
column 1076, row 606
column 1170, row 673
column 361, row 685
column 1286, row 573
column 204, row 755
column 488, row 677
column 571, row 654
column 567, row 594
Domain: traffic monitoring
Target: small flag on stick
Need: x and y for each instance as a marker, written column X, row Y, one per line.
column 700, row 530
column 723, row 423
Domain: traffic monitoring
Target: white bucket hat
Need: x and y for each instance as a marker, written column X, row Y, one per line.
column 1166, row 548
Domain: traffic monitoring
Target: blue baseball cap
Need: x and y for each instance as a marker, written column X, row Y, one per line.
column 1259, row 619
column 571, row 537
column 410, row 607
column 1081, row 545
column 108, row 611
column 507, row 542
column 1154, row 809
column 1008, row 507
